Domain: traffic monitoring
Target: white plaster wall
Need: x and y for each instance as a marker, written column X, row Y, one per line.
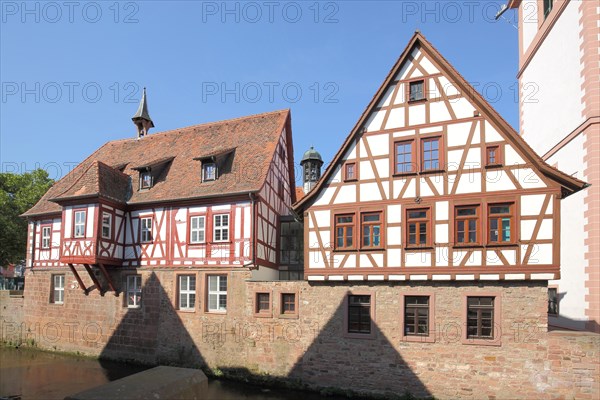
column 571, row 285
column 555, row 109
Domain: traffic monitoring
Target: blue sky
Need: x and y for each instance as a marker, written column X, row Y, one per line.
column 72, row 73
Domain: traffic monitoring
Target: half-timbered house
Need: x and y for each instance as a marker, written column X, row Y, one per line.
column 207, row 197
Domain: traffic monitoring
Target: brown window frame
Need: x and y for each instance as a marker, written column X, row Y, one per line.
column 347, row 177
column 479, row 309
column 364, row 312
column 260, row 301
column 414, row 81
column 371, row 224
column 413, row 154
column 344, row 226
column 429, row 337
column 499, row 216
column 499, row 157
column 428, row 232
column 415, row 319
column 285, row 303
column 476, row 218
column 440, row 157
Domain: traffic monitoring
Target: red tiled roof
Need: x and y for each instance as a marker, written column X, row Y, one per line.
column 254, row 139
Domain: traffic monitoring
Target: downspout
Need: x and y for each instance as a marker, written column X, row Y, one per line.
column 252, row 264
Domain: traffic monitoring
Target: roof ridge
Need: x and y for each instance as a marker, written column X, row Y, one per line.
column 223, row 121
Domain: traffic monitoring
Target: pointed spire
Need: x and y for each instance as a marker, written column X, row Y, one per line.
column 142, row 117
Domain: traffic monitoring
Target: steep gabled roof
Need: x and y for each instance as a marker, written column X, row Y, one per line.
column 570, row 184
column 254, row 139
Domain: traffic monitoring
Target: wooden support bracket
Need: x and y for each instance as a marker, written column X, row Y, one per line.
column 79, row 281
column 108, row 279
column 94, row 279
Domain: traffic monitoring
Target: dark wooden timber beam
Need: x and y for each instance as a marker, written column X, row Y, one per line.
column 79, row 281
column 94, row 279
column 108, row 279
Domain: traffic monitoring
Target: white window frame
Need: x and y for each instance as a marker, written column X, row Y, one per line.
column 134, row 289
column 220, row 227
column 107, row 225
column 79, row 223
column 216, row 293
column 58, row 289
column 146, row 230
column 144, row 174
column 205, row 176
column 199, row 229
column 186, row 292
column 46, row 236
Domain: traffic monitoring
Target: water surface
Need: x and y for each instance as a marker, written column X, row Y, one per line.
column 34, row 374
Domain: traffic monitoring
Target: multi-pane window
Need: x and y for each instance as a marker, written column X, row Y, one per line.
column 418, row 227
column 106, row 225
column 493, row 156
column 197, row 229
column 553, row 301
column 416, row 315
column 288, row 303
column 480, row 317
column 134, row 291
column 416, row 90
column 350, row 172
column 146, row 180
column 466, row 224
column 359, row 314
column 263, row 302
column 187, row 292
column 217, row 293
column 209, row 172
column 404, row 157
column 79, row 227
column 430, row 154
column 371, row 229
column 292, row 239
column 344, row 231
column 500, row 223
column 146, row 229
column 46, row 232
column 58, row 289
column 221, row 228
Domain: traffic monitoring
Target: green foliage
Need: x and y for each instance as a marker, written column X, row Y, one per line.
column 18, row 193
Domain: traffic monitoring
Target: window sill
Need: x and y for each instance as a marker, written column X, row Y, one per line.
column 432, row 171
column 197, row 244
column 264, row 314
column 468, row 246
column 134, row 307
column 288, row 316
column 351, row 180
column 402, row 174
column 493, row 166
column 364, row 336
column 215, row 312
column 343, row 250
column 419, row 338
column 368, row 249
column 424, row 248
column 417, row 101
column 187, row 311
column 500, row 245
column 220, row 242
column 482, row 342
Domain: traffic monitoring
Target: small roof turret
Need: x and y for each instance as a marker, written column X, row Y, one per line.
column 311, row 154
column 142, row 117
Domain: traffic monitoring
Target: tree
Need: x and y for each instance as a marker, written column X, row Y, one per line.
column 18, row 193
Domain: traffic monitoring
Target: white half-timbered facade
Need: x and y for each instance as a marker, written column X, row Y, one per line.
column 432, row 184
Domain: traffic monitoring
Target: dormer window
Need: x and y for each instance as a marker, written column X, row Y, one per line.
column 146, row 180
column 416, row 90
column 209, row 171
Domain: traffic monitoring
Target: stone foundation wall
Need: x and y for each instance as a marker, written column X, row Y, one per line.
column 312, row 348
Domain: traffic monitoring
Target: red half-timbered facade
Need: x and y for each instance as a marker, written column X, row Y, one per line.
column 209, row 196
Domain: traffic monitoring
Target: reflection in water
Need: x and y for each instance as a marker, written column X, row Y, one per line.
column 35, row 374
